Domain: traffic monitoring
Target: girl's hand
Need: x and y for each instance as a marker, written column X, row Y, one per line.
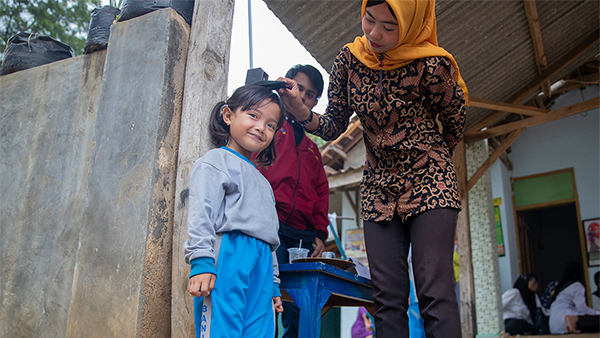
column 293, row 101
column 202, row 284
column 277, row 304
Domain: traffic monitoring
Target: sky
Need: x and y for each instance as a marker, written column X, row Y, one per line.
column 275, row 48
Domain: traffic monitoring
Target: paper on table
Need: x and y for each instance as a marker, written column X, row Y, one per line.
column 361, row 269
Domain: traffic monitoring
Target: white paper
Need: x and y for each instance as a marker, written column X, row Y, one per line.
column 361, row 269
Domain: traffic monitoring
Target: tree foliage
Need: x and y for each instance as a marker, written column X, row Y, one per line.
column 319, row 141
column 63, row 20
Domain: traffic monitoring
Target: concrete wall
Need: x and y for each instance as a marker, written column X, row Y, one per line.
column 88, row 161
column 47, row 121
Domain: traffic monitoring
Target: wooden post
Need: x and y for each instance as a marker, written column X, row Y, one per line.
column 467, row 287
column 206, row 75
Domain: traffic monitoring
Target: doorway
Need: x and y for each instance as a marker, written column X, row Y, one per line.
column 548, row 225
column 549, row 238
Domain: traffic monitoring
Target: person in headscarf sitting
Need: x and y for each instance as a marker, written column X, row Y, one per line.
column 549, row 294
column 520, row 304
column 569, row 312
column 363, row 326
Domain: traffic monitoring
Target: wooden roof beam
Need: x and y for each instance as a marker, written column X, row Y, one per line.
column 338, row 150
column 521, row 94
column 463, row 230
column 533, row 121
column 355, row 124
column 536, row 37
column 329, row 170
column 582, row 81
column 492, row 158
column 493, row 145
column 507, row 107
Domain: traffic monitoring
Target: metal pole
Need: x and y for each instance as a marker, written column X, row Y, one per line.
column 250, row 33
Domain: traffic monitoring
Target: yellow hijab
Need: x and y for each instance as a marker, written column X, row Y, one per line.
column 418, row 39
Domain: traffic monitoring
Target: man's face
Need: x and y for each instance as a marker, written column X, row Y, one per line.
column 308, row 93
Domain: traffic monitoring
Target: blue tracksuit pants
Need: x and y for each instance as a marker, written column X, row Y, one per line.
column 243, row 295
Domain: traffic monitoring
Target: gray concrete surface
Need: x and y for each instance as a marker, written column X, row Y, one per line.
column 88, row 153
column 47, row 119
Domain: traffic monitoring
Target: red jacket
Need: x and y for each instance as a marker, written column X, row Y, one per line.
column 299, row 183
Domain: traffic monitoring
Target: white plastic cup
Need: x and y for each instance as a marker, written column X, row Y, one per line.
column 296, row 253
column 328, row 254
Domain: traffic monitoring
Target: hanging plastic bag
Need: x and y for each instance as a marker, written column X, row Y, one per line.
column 134, row 8
column 28, row 50
column 100, row 21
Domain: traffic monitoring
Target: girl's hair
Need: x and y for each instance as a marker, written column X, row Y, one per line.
column 245, row 98
column 379, row 2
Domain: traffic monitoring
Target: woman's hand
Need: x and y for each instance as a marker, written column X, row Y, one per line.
column 293, row 101
column 202, row 284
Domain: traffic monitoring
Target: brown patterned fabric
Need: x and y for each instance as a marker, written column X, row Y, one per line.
column 408, row 166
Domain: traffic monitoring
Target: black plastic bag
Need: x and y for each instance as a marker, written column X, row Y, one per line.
column 134, row 8
column 28, row 50
column 100, row 21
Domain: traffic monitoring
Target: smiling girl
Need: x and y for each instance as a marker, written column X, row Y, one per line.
column 232, row 221
column 410, row 98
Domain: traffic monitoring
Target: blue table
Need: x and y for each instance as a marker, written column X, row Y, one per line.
column 315, row 287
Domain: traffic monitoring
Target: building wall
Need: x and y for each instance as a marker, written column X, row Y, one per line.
column 569, row 142
column 501, row 188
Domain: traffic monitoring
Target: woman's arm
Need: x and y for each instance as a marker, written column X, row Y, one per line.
column 293, row 104
column 446, row 98
column 337, row 116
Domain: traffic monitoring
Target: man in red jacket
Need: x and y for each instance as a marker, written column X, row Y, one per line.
column 300, row 185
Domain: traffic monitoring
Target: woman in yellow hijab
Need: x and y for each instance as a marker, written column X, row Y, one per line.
column 410, row 98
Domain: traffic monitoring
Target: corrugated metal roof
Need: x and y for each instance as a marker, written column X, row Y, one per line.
column 490, row 39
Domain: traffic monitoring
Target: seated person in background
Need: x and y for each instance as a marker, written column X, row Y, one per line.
column 569, row 313
column 549, row 294
column 363, row 326
column 520, row 304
